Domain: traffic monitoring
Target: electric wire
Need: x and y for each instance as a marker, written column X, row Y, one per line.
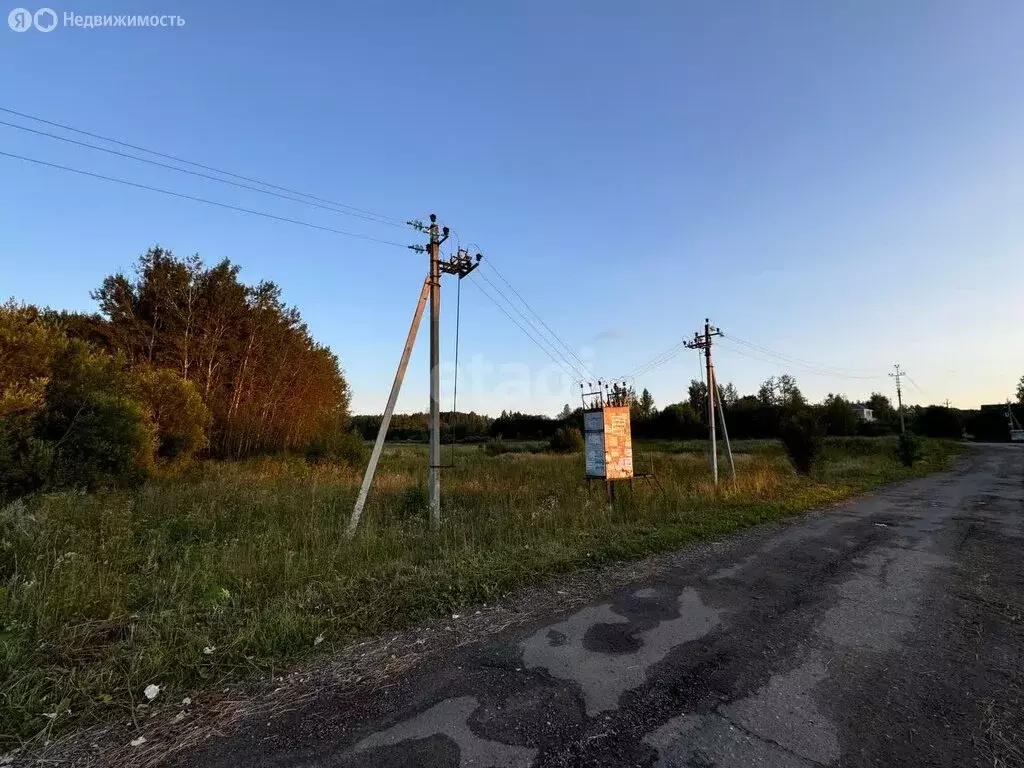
column 818, row 367
column 197, row 174
column 657, row 361
column 337, row 207
column 778, row 359
column 815, row 367
column 554, row 335
column 193, row 198
column 521, row 328
column 786, row 363
column 580, row 376
column 384, row 219
column 455, row 384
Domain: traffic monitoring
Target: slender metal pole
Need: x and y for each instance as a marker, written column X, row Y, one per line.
column 711, row 398
column 433, row 473
column 364, row 489
column 725, row 432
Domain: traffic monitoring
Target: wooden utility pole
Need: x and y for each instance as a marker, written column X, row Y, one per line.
column 704, row 342
column 899, row 396
column 461, row 265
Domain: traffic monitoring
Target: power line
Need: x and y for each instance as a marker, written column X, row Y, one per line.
column 197, row 174
column 531, row 309
column 384, row 219
column 779, row 359
column 521, row 328
column 785, row 363
column 818, row 367
column 183, row 196
column 580, row 374
column 657, row 361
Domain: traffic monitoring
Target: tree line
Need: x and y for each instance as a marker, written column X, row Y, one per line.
column 763, row 415
column 180, row 359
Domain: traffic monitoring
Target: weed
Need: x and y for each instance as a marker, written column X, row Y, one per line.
column 241, row 566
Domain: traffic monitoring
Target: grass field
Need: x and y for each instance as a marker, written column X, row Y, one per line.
column 189, row 582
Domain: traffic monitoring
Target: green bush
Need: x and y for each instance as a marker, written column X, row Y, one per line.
column 496, row 446
column 908, row 449
column 345, row 446
column 24, row 459
column 567, row 440
column 176, row 410
column 414, row 502
column 802, row 435
column 875, row 428
column 100, row 437
column 838, row 416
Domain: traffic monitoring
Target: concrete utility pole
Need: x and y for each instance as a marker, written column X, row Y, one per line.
column 434, row 467
column 382, row 431
column 704, row 342
column 725, row 431
column 899, row 396
column 461, row 265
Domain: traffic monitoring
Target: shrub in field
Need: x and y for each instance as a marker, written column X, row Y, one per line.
column 345, row 446
column 176, row 410
column 877, row 428
column 28, row 345
column 414, row 502
column 496, row 446
column 100, row 437
column 567, row 440
column 802, row 436
column 838, row 416
column 24, row 459
column 908, row 449
column 859, row 446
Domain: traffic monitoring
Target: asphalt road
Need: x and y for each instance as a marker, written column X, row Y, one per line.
column 888, row 631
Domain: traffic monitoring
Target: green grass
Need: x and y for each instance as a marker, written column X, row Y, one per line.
column 190, row 582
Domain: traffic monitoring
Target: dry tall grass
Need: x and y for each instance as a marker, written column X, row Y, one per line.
column 189, row 582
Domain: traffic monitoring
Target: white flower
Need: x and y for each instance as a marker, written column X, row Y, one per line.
column 455, row 616
column 187, row 701
column 319, row 639
column 151, row 692
column 139, row 741
column 209, row 649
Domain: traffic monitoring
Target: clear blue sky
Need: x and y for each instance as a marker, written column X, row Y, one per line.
column 839, row 181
